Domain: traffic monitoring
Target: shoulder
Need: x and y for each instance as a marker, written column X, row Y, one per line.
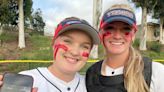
column 96, row 66
column 157, row 84
column 82, row 77
column 93, row 70
column 34, row 72
column 157, row 68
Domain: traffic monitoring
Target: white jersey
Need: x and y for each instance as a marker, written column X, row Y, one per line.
column 45, row 81
column 157, row 78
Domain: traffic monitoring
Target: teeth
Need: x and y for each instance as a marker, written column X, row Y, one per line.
column 116, row 43
column 72, row 60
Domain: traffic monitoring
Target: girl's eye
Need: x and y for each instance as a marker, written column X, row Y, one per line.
column 67, row 41
column 127, row 29
column 109, row 28
column 86, row 47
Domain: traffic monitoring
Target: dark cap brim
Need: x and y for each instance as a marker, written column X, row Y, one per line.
column 83, row 27
column 118, row 18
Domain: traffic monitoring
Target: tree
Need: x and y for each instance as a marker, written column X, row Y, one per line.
column 27, row 4
column 97, row 8
column 9, row 12
column 158, row 12
column 146, row 6
column 37, row 22
column 12, row 12
column 4, row 14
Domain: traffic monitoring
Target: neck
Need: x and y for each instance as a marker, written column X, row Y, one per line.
column 115, row 61
column 60, row 74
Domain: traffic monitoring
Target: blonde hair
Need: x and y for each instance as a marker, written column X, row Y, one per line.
column 133, row 73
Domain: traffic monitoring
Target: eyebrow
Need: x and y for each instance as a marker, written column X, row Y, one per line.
column 87, row 43
column 65, row 35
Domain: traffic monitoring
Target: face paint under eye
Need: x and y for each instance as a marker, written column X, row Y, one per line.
column 56, row 48
column 85, row 54
column 127, row 33
column 65, row 48
column 108, row 33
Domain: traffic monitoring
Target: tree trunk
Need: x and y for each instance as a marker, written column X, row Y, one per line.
column 21, row 42
column 161, row 31
column 97, row 7
column 143, row 31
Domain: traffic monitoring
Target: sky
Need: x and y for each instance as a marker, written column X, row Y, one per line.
column 54, row 11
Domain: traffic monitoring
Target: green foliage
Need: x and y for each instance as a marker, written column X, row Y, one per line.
column 13, row 9
column 4, row 12
column 27, row 8
column 9, row 11
column 136, row 43
column 145, row 3
column 37, row 22
column 154, row 46
column 158, row 9
column 153, row 55
column 101, row 51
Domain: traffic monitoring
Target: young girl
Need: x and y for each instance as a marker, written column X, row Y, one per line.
column 123, row 69
column 72, row 43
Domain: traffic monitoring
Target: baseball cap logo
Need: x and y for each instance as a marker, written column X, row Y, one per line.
column 73, row 22
column 120, row 12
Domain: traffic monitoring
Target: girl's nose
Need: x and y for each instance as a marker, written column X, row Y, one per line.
column 75, row 51
column 117, row 34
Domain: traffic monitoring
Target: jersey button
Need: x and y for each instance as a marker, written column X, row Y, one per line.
column 68, row 88
column 113, row 72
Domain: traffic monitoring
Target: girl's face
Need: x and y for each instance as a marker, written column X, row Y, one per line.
column 117, row 37
column 71, row 50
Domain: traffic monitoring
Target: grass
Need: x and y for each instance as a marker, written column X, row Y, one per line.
column 40, row 49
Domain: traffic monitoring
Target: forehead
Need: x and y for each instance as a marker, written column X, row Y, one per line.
column 74, row 31
column 77, row 34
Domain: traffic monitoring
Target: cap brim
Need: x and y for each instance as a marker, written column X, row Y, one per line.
column 88, row 29
column 118, row 18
